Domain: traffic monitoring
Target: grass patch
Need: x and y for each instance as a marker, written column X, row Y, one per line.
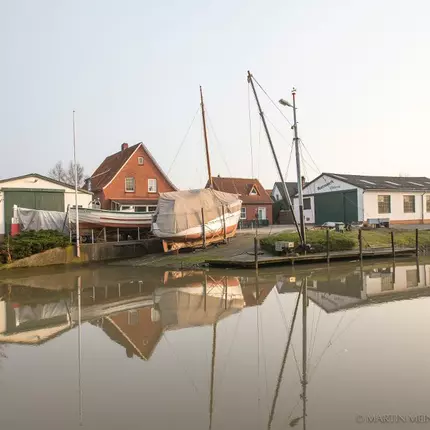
column 31, row 242
column 378, row 238
column 316, row 238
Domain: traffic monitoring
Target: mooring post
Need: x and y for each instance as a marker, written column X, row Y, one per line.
column 360, row 243
column 138, row 233
column 117, row 234
column 223, row 223
column 256, row 252
column 203, row 228
column 92, row 235
column 416, row 242
column 328, row 245
column 393, row 249
column 104, row 234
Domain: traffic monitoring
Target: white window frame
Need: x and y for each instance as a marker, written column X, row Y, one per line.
column 253, row 191
column 140, row 161
column 243, row 212
column 152, row 189
column 134, row 185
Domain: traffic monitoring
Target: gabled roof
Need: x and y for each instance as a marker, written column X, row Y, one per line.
column 291, row 187
column 112, row 164
column 243, row 187
column 44, row 178
column 388, row 183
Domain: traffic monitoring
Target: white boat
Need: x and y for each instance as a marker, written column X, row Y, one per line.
column 193, row 218
column 90, row 218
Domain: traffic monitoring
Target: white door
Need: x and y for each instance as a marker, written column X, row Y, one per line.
column 261, row 213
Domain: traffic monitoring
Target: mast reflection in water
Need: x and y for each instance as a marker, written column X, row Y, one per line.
column 211, row 349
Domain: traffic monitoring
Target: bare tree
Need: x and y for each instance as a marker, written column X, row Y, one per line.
column 59, row 173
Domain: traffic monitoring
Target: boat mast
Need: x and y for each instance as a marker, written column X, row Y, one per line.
column 284, row 190
column 205, row 134
column 299, row 173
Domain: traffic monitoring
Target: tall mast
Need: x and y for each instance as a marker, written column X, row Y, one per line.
column 284, row 190
column 299, row 173
column 205, row 134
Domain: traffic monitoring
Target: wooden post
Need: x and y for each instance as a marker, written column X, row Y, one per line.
column 138, row 233
column 393, row 249
column 92, row 235
column 328, row 245
column 223, row 223
column 416, row 242
column 117, row 234
column 203, row 228
column 104, row 234
column 256, row 252
column 360, row 243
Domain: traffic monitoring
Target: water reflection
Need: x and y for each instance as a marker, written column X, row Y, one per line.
column 258, row 317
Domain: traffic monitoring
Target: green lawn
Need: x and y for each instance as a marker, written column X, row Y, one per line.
column 378, row 238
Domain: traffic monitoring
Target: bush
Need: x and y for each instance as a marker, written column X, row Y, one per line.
column 316, row 238
column 32, row 242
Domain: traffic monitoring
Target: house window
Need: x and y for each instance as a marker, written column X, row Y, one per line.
column 261, row 213
column 409, row 204
column 129, row 185
column 140, row 161
column 253, row 191
column 152, row 185
column 243, row 213
column 384, row 204
column 428, row 204
column 307, row 203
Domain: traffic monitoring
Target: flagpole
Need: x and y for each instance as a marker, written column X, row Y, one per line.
column 78, row 248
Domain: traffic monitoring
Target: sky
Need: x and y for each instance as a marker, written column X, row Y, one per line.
column 131, row 70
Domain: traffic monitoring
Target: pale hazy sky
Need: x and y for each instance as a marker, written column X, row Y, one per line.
column 132, row 68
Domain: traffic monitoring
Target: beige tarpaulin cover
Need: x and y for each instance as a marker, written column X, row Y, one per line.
column 180, row 210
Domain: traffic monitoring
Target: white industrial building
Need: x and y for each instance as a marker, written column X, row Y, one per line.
column 34, row 191
column 354, row 198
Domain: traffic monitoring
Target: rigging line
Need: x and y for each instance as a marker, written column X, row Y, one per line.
column 274, row 104
column 183, row 140
column 259, row 149
column 264, row 360
column 217, row 141
column 330, row 343
column 311, row 351
column 289, row 161
column 222, row 373
column 284, row 359
column 250, row 131
column 281, row 310
column 179, row 361
column 277, row 131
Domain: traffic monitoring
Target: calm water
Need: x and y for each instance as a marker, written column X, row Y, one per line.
column 134, row 348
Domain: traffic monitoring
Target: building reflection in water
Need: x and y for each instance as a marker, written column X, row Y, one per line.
column 135, row 313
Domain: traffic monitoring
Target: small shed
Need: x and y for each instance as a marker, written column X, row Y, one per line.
column 34, row 191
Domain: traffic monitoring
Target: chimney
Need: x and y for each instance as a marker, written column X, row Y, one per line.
column 303, row 182
column 124, row 146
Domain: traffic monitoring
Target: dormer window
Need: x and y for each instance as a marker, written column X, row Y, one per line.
column 253, row 191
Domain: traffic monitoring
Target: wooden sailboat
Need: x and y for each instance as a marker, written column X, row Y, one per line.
column 195, row 218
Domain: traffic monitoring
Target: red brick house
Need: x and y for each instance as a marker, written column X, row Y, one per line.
column 255, row 198
column 130, row 180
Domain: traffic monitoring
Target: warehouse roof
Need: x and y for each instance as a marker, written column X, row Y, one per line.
column 392, row 183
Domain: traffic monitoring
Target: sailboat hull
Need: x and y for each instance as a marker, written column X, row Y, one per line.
column 193, row 237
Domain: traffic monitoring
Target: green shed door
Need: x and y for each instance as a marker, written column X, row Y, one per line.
column 336, row 207
column 50, row 200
